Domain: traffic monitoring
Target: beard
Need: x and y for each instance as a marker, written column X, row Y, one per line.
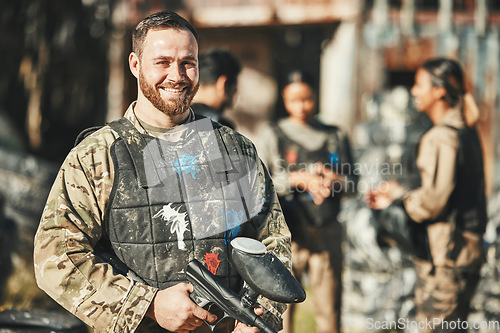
column 173, row 107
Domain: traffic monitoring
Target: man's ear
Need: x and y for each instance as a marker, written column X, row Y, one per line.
column 133, row 63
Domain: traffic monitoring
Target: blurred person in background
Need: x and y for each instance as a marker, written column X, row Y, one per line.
column 136, row 200
column 219, row 70
column 446, row 215
column 311, row 165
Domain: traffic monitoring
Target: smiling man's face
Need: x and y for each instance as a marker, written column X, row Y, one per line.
column 168, row 71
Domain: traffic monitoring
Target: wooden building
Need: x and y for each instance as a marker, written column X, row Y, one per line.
column 353, row 48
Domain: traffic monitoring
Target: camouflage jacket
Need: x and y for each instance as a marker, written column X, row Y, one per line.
column 72, row 224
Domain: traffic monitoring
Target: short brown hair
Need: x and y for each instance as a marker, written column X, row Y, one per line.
column 157, row 21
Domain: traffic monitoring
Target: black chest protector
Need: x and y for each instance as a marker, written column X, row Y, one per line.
column 175, row 201
column 296, row 157
column 467, row 203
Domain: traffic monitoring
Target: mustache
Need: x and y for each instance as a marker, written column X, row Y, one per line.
column 178, row 85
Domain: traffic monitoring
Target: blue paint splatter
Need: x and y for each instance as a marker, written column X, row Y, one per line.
column 334, row 158
column 187, row 163
column 234, row 220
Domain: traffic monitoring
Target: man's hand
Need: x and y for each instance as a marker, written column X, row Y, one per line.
column 377, row 200
column 384, row 195
column 242, row 328
column 173, row 310
column 317, row 182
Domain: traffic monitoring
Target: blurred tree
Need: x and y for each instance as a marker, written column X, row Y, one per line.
column 55, row 69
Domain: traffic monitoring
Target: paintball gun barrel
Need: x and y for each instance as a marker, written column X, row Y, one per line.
column 264, row 274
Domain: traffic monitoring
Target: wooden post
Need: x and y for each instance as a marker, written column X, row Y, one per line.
column 445, row 16
column 481, row 17
column 408, row 18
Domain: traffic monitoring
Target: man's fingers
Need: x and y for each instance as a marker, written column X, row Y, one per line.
column 319, row 168
column 318, row 200
column 327, row 183
column 187, row 286
column 242, row 328
column 204, row 315
column 259, row 311
column 196, row 322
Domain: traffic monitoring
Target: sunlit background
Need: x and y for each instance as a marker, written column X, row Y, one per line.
column 65, row 69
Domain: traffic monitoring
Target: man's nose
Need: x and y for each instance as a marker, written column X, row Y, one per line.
column 175, row 73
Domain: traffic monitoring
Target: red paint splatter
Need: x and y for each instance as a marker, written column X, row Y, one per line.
column 291, row 156
column 212, row 260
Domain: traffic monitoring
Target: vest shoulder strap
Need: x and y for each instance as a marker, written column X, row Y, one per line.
column 332, row 130
column 137, row 148
column 85, row 133
column 466, row 137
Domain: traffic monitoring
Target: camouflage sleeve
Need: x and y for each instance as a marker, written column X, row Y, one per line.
column 272, row 228
column 274, row 232
column 71, row 224
column 277, row 238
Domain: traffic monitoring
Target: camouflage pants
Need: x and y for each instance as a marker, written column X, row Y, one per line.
column 325, row 273
column 443, row 298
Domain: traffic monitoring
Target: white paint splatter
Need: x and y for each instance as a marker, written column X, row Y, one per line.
column 178, row 223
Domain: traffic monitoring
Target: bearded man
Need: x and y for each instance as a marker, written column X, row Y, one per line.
column 139, row 198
